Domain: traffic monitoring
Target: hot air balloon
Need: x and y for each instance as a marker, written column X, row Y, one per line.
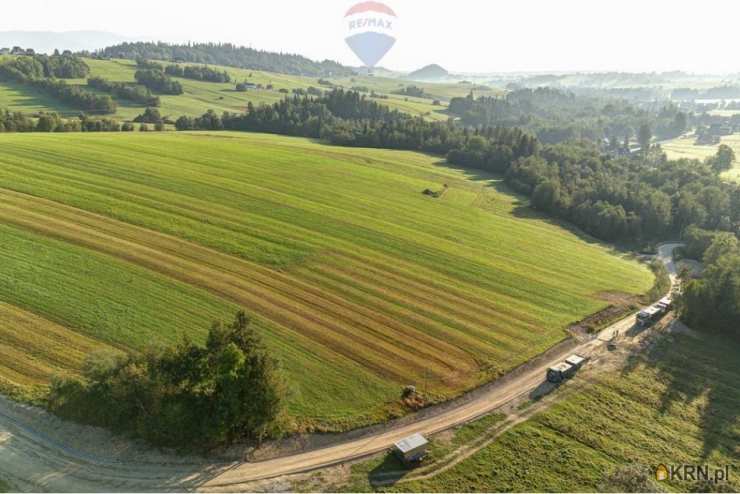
column 371, row 32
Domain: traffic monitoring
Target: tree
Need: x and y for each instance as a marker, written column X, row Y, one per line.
column 724, row 159
column 680, row 123
column 150, row 115
column 713, row 301
column 644, row 137
column 229, row 390
column 546, row 196
column 723, row 244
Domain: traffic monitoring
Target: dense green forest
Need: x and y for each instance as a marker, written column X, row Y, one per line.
column 557, row 116
column 350, row 119
column 713, row 300
column 226, row 54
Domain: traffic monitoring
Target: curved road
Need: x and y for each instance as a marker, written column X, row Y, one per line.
column 38, row 451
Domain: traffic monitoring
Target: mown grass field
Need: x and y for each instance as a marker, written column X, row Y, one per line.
column 359, row 282
column 680, row 404
column 199, row 96
column 685, row 147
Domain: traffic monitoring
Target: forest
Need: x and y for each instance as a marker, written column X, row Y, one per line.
column 226, row 54
column 198, row 73
column 350, row 119
column 712, row 301
column 556, row 116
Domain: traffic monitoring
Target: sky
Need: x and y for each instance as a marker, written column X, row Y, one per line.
column 464, row 36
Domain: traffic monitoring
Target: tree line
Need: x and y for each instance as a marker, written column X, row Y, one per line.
column 31, row 71
column 626, row 199
column 130, row 92
column 713, row 300
column 557, row 116
column 349, row 118
column 186, row 396
column 52, row 122
column 198, row 73
column 226, row 54
column 65, row 66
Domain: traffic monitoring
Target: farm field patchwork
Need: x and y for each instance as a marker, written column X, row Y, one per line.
column 677, row 405
column 685, row 147
column 359, row 283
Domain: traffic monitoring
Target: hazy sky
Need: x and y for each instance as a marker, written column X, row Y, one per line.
column 461, row 35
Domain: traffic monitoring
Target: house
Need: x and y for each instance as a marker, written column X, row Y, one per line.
column 4, row 51
column 412, row 450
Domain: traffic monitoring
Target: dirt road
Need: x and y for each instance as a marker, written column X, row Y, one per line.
column 40, row 452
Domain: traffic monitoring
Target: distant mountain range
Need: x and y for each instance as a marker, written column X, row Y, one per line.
column 48, row 41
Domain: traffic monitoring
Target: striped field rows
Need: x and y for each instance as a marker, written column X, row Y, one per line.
column 359, row 282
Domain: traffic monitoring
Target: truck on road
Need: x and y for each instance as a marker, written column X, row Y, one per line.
column 565, row 370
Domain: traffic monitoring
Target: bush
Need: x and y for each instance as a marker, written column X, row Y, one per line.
column 157, row 81
column 130, row 92
column 630, row 478
column 150, row 115
column 229, row 390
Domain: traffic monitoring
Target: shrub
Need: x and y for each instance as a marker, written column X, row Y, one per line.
column 229, row 390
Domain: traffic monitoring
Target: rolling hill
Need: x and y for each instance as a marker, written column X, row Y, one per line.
column 200, row 96
column 360, row 283
column 429, row 73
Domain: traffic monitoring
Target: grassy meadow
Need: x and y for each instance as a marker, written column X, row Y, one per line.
column 359, row 283
column 200, row 96
column 685, row 147
column 676, row 405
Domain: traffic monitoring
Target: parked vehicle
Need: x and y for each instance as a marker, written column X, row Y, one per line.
column 565, row 370
column 649, row 316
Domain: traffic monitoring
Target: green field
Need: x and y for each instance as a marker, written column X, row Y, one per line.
column 359, row 282
column 199, row 96
column 677, row 405
column 685, row 147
